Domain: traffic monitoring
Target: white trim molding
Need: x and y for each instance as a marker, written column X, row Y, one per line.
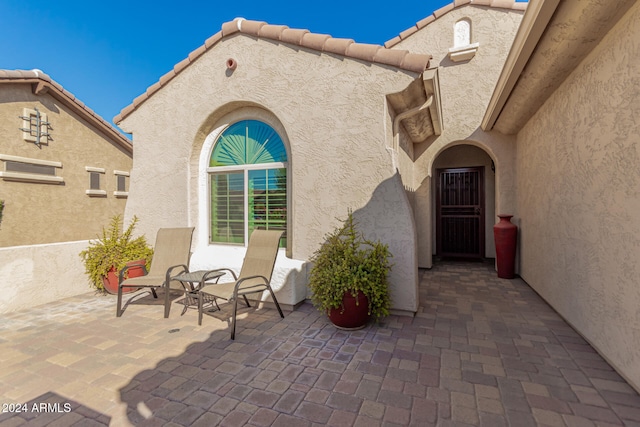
column 463, row 53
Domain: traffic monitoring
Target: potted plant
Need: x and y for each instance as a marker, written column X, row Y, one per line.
column 349, row 277
column 105, row 257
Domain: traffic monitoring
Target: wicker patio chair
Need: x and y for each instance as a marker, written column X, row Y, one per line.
column 170, row 258
column 254, row 277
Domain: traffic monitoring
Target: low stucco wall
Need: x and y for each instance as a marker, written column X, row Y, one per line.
column 38, row 274
column 289, row 275
column 578, row 190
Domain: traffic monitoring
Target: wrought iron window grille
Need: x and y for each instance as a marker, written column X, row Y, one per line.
column 38, row 127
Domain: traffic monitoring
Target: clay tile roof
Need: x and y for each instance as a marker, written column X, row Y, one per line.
column 47, row 85
column 299, row 37
column 498, row 4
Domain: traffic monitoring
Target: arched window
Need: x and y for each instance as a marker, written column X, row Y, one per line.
column 248, row 182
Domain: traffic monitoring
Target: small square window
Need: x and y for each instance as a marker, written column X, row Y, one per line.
column 121, row 183
column 95, row 182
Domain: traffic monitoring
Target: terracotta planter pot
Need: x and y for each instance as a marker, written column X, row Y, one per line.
column 506, row 235
column 355, row 314
column 110, row 281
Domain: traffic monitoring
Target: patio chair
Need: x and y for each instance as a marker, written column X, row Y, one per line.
column 170, row 258
column 254, row 277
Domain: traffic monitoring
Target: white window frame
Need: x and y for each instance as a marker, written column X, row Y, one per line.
column 213, row 170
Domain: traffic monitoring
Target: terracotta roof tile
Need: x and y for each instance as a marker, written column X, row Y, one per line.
column 406, row 33
column 365, row 52
column 252, row 27
column 392, row 42
column 230, row 28
column 444, row 9
column 196, row 53
column 272, row 32
column 213, row 40
column 337, row 46
column 424, row 22
column 389, row 56
column 56, row 90
column 314, row 40
column 181, row 65
column 140, row 99
column 164, row 79
column 499, row 4
column 412, row 61
column 299, row 37
column 153, row 88
column 293, row 36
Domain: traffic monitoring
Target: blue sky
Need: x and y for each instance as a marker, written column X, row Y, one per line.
column 108, row 53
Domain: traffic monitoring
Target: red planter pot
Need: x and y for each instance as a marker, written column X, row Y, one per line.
column 110, row 281
column 506, row 237
column 355, row 314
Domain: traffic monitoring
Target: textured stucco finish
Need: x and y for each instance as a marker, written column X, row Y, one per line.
column 331, row 112
column 580, row 25
column 578, row 185
column 45, row 213
column 38, row 274
column 464, row 99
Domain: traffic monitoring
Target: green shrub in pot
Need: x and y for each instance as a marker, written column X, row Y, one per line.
column 347, row 263
column 114, row 249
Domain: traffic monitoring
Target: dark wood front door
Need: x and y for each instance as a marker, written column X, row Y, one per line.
column 460, row 212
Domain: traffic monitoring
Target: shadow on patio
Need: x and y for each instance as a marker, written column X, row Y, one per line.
column 481, row 351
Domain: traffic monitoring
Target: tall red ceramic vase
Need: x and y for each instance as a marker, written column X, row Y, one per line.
column 506, row 237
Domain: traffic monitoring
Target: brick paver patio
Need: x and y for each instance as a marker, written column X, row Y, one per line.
column 481, row 351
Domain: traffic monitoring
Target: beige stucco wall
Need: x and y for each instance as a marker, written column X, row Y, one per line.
column 34, row 275
column 331, row 112
column 578, row 189
column 465, row 90
column 38, row 213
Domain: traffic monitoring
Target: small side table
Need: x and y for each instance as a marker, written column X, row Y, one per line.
column 195, row 281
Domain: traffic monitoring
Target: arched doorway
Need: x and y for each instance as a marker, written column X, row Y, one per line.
column 464, row 203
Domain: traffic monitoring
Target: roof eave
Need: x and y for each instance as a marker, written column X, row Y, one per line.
column 534, row 22
column 43, row 84
column 374, row 54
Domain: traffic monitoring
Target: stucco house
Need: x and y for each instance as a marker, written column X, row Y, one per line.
column 64, row 172
column 479, row 109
